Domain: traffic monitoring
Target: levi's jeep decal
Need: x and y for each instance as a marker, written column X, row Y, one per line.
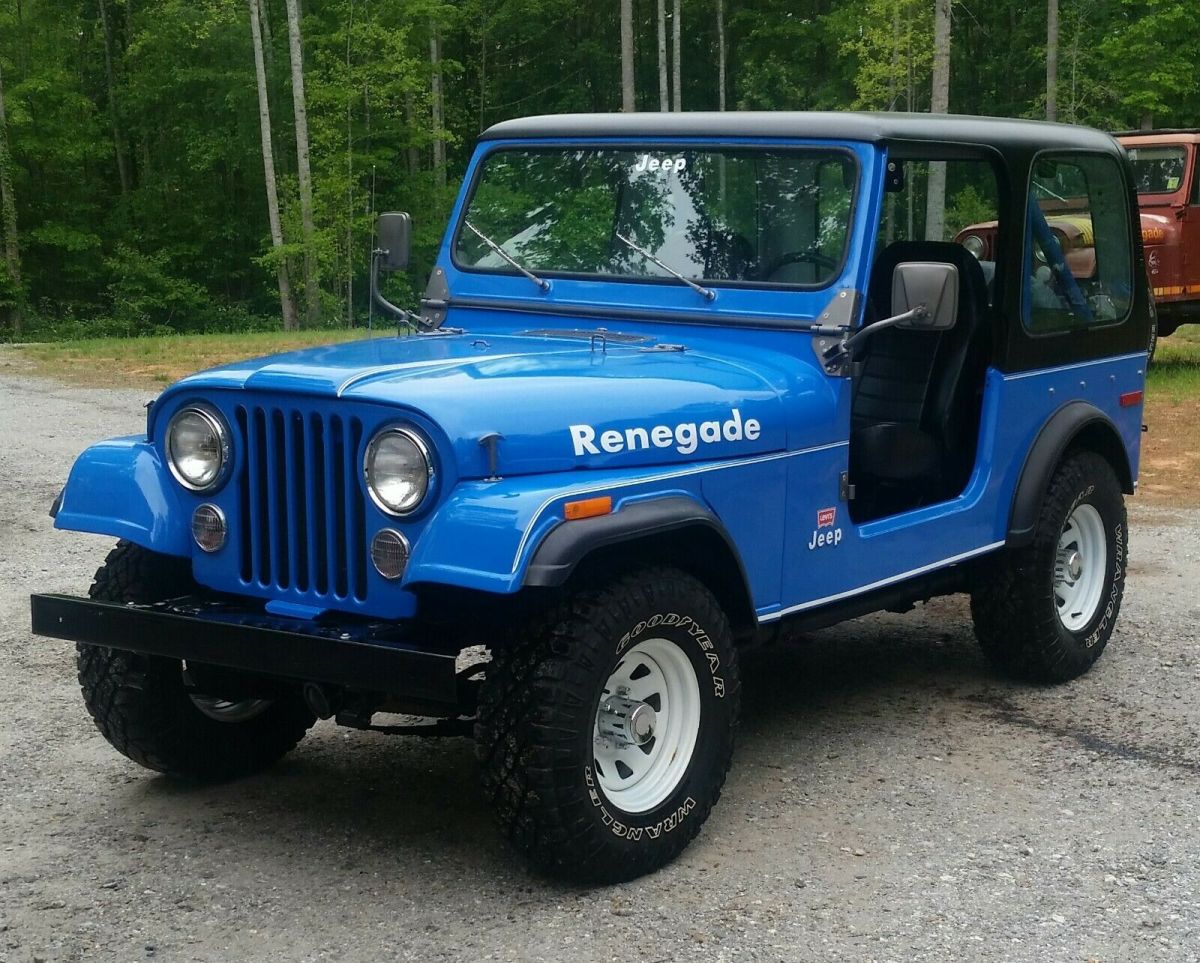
column 826, row 518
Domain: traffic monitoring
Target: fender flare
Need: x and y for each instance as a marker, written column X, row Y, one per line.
column 569, row 543
column 1056, row 436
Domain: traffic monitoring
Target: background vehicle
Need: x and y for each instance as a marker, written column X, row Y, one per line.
column 1166, row 173
column 669, row 391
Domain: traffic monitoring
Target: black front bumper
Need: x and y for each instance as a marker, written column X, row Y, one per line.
column 364, row 656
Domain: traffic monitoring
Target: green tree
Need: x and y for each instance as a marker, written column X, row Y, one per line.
column 1151, row 56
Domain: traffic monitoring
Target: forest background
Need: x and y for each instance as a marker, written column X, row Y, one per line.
column 216, row 165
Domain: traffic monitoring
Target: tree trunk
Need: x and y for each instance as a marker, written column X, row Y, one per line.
column 910, row 99
column 935, row 200
column 312, row 294
column 664, row 95
column 114, row 117
column 264, row 21
column 438, row 105
column 628, row 93
column 8, row 216
column 1051, row 59
column 1146, row 121
column 721, row 55
column 676, row 71
column 287, row 300
column 349, row 181
column 483, row 45
column 894, row 75
column 410, row 118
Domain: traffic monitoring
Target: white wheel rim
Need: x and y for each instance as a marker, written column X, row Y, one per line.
column 1079, row 567
column 658, row 674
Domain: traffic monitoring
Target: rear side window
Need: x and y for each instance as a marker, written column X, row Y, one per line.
column 1078, row 253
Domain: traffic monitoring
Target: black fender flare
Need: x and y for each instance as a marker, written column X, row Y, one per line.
column 569, row 543
column 1064, row 428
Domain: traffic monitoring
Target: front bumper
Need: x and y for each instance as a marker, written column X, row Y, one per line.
column 365, row 656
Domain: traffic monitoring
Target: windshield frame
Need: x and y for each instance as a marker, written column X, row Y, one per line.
column 646, row 146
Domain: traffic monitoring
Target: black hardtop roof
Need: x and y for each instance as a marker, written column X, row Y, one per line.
column 999, row 132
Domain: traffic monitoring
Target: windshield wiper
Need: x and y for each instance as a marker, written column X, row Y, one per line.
column 707, row 293
column 542, row 283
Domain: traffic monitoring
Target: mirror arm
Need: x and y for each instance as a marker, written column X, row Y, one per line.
column 847, row 345
column 397, row 312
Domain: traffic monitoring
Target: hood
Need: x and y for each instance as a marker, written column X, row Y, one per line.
column 558, row 400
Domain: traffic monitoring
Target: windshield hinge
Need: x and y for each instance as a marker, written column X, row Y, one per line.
column 832, row 331
column 436, row 301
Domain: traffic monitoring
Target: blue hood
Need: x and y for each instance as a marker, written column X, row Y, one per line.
column 559, row 403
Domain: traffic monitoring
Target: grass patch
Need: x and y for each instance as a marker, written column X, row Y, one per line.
column 158, row 361
column 1174, row 375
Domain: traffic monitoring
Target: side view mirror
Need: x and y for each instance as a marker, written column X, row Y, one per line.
column 932, row 286
column 394, row 231
column 394, row 234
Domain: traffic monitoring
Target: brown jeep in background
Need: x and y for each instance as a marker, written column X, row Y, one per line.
column 1167, row 178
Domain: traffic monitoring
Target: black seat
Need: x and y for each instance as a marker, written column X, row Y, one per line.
column 917, row 401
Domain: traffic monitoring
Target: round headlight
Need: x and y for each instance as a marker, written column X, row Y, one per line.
column 974, row 244
column 197, row 448
column 397, row 470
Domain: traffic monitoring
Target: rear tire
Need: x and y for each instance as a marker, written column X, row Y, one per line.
column 1045, row 612
column 143, row 707
column 585, row 804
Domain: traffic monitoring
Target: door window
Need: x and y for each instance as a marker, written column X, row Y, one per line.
column 1078, row 253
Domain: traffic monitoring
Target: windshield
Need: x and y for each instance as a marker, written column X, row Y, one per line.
column 1157, row 170
column 757, row 217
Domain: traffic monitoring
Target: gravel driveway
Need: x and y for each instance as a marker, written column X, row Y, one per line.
column 890, row 798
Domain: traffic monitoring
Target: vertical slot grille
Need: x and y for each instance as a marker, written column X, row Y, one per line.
column 301, row 506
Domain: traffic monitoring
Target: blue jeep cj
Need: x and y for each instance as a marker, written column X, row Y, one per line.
column 678, row 382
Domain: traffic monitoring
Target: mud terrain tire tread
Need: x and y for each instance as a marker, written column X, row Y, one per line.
column 141, row 706
column 543, row 681
column 1013, row 607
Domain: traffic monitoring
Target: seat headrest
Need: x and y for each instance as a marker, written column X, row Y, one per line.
column 971, row 281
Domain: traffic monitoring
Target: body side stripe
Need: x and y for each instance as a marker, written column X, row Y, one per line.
column 941, row 563
column 1069, row 367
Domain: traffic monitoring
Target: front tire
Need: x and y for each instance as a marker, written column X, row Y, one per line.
column 143, row 707
column 1045, row 611
column 606, row 725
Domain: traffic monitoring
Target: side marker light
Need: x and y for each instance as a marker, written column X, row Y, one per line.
column 587, row 508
